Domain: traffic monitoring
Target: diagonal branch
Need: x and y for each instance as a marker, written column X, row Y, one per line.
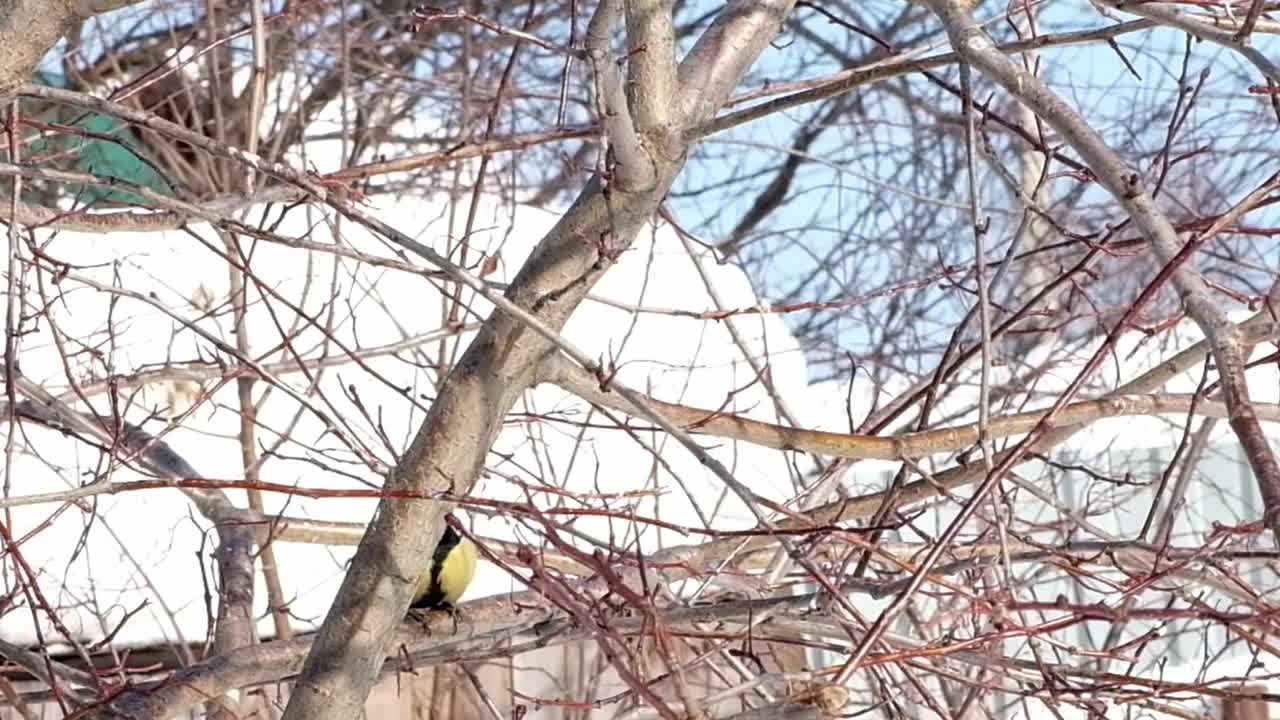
column 450, row 448
column 1168, row 14
column 976, row 47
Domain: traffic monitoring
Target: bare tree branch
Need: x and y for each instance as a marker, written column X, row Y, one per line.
column 977, row 47
column 1203, row 28
column 631, row 164
column 905, row 445
column 28, row 28
column 651, row 86
column 449, row 450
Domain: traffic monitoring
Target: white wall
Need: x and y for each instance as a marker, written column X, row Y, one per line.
column 122, row 551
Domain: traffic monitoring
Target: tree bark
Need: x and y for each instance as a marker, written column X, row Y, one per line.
column 28, row 28
column 649, row 127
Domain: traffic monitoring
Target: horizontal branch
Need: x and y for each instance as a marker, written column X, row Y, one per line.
column 920, row 444
column 1219, row 33
column 525, row 620
column 803, row 92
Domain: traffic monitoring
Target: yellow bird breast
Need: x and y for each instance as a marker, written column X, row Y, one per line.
column 453, row 564
column 457, row 570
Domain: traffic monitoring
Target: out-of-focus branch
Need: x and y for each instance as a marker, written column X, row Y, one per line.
column 204, row 371
column 49, row 671
column 803, row 92
column 485, row 623
column 174, row 217
column 1261, row 326
column 526, row 619
column 133, row 444
column 236, row 540
column 466, row 151
column 976, row 47
column 1196, row 24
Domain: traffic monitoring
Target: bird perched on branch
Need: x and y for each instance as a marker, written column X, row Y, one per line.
column 452, row 566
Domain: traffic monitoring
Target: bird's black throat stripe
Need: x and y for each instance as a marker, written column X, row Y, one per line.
column 435, row 594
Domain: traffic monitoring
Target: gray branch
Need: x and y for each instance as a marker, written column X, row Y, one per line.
column 651, row 84
column 976, row 47
column 1199, row 26
column 631, row 165
column 28, row 28
column 236, row 539
column 449, row 450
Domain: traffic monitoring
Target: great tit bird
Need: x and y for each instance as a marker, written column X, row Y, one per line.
column 452, row 567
